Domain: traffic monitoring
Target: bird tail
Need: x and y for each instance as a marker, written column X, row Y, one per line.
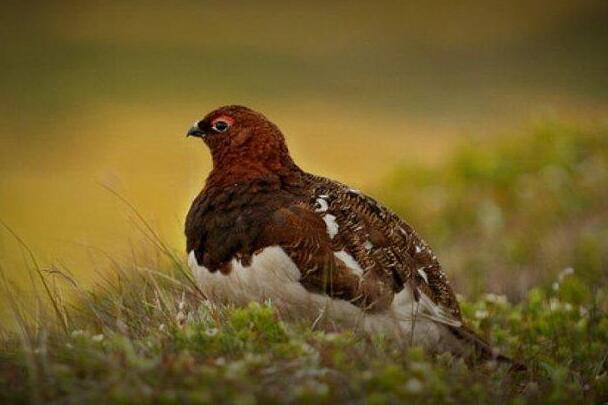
column 482, row 351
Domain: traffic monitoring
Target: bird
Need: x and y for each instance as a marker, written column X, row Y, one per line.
column 264, row 230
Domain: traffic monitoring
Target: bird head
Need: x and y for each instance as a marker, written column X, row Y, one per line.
column 243, row 143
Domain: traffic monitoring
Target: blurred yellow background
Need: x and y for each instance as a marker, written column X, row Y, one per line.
column 101, row 93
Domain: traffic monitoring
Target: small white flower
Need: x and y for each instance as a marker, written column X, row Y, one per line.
column 97, row 338
column 496, row 298
column 555, row 304
column 182, row 303
column 122, row 326
column 414, row 385
column 211, row 332
column 180, row 318
column 568, row 271
column 330, row 336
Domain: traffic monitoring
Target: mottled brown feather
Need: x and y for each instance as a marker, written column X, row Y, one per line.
column 256, row 197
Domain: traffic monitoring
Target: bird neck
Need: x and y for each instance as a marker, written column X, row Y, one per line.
column 230, row 169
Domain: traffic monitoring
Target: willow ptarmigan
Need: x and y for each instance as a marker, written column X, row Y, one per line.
column 263, row 229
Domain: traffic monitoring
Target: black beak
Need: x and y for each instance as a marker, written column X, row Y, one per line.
column 195, row 131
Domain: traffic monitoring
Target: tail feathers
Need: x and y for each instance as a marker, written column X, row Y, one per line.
column 481, row 350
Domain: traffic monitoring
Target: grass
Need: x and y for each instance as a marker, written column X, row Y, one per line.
column 144, row 333
column 508, row 216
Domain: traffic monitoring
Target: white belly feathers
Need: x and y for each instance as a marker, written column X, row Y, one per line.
column 273, row 276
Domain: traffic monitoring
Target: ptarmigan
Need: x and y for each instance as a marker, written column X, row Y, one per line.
column 263, row 230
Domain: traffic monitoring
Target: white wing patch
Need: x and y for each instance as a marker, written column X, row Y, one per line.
column 321, row 205
column 423, row 275
column 349, row 261
column 332, row 225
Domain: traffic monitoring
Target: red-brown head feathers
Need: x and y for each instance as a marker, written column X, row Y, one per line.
column 244, row 144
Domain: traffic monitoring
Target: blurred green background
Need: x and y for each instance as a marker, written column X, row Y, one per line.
column 101, row 93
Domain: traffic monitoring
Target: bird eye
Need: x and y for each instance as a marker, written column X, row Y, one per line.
column 220, row 126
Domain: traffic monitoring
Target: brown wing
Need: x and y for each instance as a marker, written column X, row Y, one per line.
column 378, row 238
column 384, row 244
column 303, row 236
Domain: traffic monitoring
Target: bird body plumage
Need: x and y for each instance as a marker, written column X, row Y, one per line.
column 263, row 229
